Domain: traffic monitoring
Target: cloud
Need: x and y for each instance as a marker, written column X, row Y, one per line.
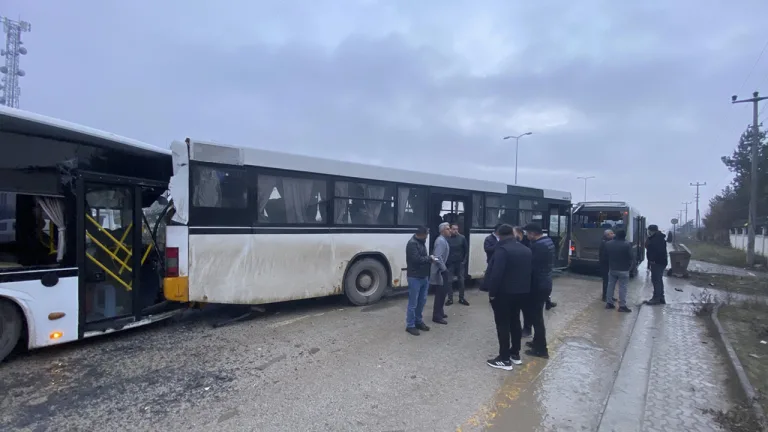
column 621, row 91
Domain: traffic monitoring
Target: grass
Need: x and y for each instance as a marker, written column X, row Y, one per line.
column 746, row 324
column 744, row 285
column 719, row 254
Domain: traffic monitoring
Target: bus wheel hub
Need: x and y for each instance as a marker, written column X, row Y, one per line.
column 365, row 281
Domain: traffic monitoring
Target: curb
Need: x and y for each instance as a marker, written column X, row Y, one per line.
column 749, row 391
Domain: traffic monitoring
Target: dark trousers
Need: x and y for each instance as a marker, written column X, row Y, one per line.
column 440, row 292
column 657, row 272
column 604, row 275
column 506, row 313
column 536, row 303
column 457, row 269
column 527, row 318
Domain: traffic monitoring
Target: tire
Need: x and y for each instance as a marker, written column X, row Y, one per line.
column 365, row 282
column 10, row 327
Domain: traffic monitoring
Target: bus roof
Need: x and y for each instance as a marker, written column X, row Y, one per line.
column 19, row 121
column 609, row 204
column 218, row 153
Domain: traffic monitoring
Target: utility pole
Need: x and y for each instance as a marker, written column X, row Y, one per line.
column 698, row 218
column 685, row 221
column 517, row 148
column 585, row 185
column 753, row 181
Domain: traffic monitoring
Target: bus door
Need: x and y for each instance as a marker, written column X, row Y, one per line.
column 558, row 229
column 451, row 208
column 640, row 236
column 120, row 260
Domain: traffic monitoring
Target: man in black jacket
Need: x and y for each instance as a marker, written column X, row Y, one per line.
column 656, row 251
column 418, row 262
column 457, row 260
column 607, row 236
column 621, row 260
column 543, row 257
column 508, row 280
column 489, row 244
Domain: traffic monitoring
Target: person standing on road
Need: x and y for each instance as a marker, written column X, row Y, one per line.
column 418, row 263
column 489, row 244
column 543, row 258
column 607, row 236
column 527, row 321
column 439, row 274
column 457, row 261
column 509, row 284
column 656, row 252
column 621, row 259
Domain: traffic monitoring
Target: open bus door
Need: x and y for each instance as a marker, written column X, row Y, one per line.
column 120, row 263
column 640, row 236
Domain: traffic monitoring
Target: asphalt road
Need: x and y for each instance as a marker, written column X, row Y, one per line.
column 309, row 366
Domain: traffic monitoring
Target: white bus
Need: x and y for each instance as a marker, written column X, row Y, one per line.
column 254, row 226
column 591, row 219
column 72, row 265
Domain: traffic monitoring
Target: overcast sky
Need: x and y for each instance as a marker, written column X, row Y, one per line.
column 618, row 90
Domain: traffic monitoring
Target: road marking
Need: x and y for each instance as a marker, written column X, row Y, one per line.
column 293, row 320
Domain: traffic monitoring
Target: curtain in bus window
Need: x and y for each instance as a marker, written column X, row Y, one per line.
column 373, row 208
column 54, row 209
column 207, row 188
column 340, row 215
column 297, row 194
column 266, row 185
column 477, row 210
column 403, row 204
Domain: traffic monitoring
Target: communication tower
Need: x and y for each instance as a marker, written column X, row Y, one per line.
column 9, row 84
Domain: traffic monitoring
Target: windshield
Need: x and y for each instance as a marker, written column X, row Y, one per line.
column 599, row 219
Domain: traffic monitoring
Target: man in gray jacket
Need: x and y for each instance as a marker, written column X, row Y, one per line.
column 439, row 274
column 621, row 259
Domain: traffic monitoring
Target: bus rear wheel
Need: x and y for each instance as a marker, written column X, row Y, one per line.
column 365, row 282
column 10, row 327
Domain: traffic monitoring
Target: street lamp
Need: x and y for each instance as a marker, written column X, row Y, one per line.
column 517, row 148
column 610, row 196
column 585, row 185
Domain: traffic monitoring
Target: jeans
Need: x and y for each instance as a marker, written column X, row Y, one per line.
column 657, row 272
column 623, row 278
column 417, row 298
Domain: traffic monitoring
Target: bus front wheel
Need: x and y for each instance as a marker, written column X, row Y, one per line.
column 10, row 327
column 365, row 282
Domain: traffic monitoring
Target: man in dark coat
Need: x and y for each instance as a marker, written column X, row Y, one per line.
column 656, row 252
column 508, row 280
column 607, row 236
column 543, row 258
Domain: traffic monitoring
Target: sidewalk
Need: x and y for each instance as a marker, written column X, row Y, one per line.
column 670, row 373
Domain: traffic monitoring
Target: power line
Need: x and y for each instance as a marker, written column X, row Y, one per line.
column 754, row 66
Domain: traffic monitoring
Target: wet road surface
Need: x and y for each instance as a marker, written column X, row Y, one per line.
column 655, row 369
column 322, row 366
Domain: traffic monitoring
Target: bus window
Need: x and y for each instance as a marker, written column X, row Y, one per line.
column 599, row 219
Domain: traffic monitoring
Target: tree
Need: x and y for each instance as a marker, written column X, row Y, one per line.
column 732, row 204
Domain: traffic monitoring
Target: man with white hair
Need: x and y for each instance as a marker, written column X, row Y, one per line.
column 440, row 275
